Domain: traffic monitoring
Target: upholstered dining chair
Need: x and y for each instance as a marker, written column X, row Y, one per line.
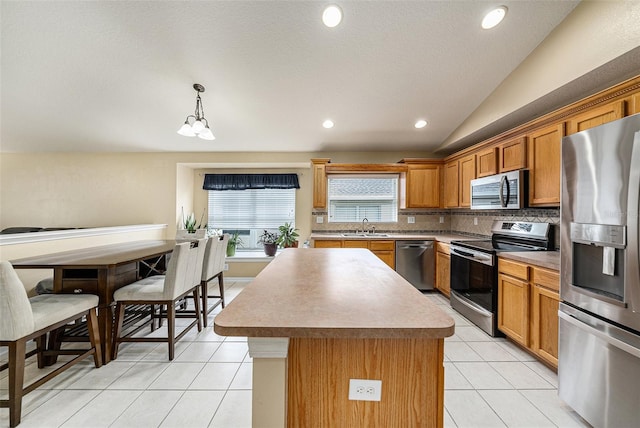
column 23, row 319
column 179, row 280
column 213, row 267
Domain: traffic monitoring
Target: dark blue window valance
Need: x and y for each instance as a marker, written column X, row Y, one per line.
column 250, row 181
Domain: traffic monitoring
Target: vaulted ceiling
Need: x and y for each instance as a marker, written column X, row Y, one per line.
column 117, row 76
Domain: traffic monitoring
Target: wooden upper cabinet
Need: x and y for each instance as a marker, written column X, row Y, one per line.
column 595, row 117
column 423, row 185
column 487, row 162
column 634, row 105
column 513, row 155
column 544, row 166
column 450, row 194
column 319, row 183
column 467, row 172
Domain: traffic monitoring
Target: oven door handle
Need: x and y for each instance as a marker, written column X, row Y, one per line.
column 481, row 258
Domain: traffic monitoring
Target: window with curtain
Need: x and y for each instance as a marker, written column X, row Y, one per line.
column 352, row 198
column 267, row 201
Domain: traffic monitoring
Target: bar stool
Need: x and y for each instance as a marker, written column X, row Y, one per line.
column 23, row 319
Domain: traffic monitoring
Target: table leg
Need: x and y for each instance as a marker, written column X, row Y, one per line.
column 105, row 324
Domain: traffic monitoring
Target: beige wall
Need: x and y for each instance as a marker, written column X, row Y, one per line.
column 98, row 189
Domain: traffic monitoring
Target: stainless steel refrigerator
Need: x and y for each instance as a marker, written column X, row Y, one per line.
column 599, row 341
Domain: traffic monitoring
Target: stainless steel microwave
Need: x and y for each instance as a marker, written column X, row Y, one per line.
column 500, row 191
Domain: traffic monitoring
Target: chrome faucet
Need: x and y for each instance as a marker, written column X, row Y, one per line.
column 363, row 220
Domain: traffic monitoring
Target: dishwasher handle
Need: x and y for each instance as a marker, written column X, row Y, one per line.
column 407, row 247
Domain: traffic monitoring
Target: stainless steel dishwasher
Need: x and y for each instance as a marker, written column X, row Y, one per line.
column 415, row 261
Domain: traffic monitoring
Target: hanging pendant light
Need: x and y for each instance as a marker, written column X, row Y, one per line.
column 199, row 125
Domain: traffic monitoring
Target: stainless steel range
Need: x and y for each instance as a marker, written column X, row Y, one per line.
column 474, row 268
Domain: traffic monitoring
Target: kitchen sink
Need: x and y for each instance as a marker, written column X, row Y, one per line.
column 365, row 235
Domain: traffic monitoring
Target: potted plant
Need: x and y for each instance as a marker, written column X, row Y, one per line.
column 190, row 229
column 288, row 236
column 270, row 242
column 234, row 241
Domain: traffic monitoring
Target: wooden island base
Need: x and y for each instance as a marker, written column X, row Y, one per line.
column 411, row 372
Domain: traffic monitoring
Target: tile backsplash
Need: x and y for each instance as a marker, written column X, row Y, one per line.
column 464, row 221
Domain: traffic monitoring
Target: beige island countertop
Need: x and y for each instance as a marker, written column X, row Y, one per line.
column 318, row 292
column 319, row 318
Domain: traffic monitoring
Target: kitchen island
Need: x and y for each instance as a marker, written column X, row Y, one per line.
column 317, row 318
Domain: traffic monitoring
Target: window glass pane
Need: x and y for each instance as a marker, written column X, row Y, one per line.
column 251, row 211
column 354, row 198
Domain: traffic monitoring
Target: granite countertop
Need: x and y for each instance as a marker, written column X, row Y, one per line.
column 442, row 237
column 331, row 293
column 545, row 259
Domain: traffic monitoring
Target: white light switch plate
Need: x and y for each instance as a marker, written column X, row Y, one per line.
column 411, row 219
column 365, row 390
column 319, row 219
column 475, row 221
column 441, row 219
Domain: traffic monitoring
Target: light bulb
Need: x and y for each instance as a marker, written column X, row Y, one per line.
column 420, row 124
column 332, row 16
column 206, row 134
column 328, row 124
column 197, row 126
column 494, row 17
column 186, row 130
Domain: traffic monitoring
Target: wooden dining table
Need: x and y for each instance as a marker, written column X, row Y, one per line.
column 101, row 271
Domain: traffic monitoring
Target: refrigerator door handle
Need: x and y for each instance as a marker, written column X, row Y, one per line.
column 632, row 274
column 600, row 334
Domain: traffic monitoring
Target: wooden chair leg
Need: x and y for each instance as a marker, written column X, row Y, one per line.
column 221, row 286
column 153, row 317
column 118, row 331
column 41, row 346
column 55, row 343
column 204, row 291
column 94, row 337
column 17, row 351
column 196, row 304
column 171, row 329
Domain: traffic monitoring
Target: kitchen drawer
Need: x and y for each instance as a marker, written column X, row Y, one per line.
column 547, row 278
column 376, row 245
column 326, row 243
column 80, row 286
column 355, row 244
column 518, row 270
column 442, row 247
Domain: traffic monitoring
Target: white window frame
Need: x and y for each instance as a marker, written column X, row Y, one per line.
column 239, row 218
column 333, row 200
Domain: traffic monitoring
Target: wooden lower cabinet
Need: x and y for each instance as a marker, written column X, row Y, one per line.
column 528, row 301
column 411, row 371
column 513, row 308
column 384, row 249
column 443, row 268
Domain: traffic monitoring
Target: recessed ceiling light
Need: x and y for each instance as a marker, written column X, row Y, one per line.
column 420, row 124
column 494, row 17
column 328, row 124
column 332, row 16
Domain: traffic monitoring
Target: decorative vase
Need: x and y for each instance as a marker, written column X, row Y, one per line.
column 270, row 249
column 231, row 249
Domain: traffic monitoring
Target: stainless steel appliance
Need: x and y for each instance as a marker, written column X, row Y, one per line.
column 599, row 349
column 415, row 261
column 474, row 268
column 500, row 191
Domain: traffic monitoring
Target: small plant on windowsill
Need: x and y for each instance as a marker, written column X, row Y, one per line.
column 288, row 236
column 270, row 242
column 234, row 242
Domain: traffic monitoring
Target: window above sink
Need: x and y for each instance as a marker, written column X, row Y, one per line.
column 354, row 197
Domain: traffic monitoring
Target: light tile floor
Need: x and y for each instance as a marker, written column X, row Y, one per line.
column 489, row 382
